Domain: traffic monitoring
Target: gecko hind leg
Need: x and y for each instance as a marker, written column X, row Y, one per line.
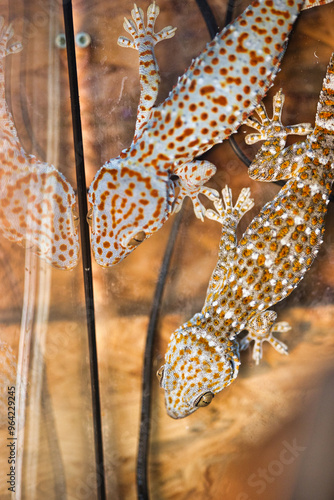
column 261, row 329
column 272, row 161
column 228, row 216
column 225, row 211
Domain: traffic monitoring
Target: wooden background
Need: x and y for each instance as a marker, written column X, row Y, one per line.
column 267, row 435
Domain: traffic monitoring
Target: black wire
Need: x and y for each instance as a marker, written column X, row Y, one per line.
column 229, row 12
column 85, row 246
column 144, row 433
column 240, row 154
column 208, row 16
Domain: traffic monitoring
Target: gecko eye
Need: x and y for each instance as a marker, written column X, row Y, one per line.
column 137, row 239
column 89, row 217
column 205, row 399
column 160, row 374
column 76, row 219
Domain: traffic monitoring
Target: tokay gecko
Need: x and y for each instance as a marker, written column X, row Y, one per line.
column 264, row 267
column 37, row 203
column 134, row 194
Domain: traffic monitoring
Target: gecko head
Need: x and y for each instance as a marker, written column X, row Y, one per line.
column 128, row 206
column 196, row 369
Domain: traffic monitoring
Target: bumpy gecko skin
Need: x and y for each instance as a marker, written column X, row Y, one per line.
column 36, row 201
column 265, row 266
column 133, row 195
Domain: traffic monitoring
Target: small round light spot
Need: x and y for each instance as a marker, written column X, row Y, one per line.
column 60, row 41
column 82, row 39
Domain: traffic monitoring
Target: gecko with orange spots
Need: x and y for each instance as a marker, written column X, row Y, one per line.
column 264, row 267
column 36, row 201
column 134, row 194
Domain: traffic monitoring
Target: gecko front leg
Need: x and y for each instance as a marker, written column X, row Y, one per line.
column 191, row 179
column 272, row 162
column 260, row 329
column 144, row 40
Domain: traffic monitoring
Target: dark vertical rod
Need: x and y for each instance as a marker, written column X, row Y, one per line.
column 144, row 433
column 85, row 246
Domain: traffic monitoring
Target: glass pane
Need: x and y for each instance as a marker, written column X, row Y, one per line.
column 258, row 437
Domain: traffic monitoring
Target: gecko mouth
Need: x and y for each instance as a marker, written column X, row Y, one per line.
column 177, row 416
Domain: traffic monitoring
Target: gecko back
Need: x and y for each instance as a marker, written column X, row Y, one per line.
column 282, row 242
column 225, row 82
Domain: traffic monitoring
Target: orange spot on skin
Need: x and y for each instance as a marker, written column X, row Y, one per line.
column 231, row 119
column 192, row 86
column 207, row 89
column 178, row 122
column 187, row 132
column 221, row 100
column 240, row 48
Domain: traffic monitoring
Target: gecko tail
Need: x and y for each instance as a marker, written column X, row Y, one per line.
column 314, row 3
column 324, row 120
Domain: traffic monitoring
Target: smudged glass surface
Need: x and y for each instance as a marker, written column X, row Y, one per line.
column 260, row 438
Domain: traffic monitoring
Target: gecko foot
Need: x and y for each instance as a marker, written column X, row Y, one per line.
column 191, row 177
column 6, row 33
column 272, row 130
column 261, row 329
column 225, row 208
column 141, row 34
